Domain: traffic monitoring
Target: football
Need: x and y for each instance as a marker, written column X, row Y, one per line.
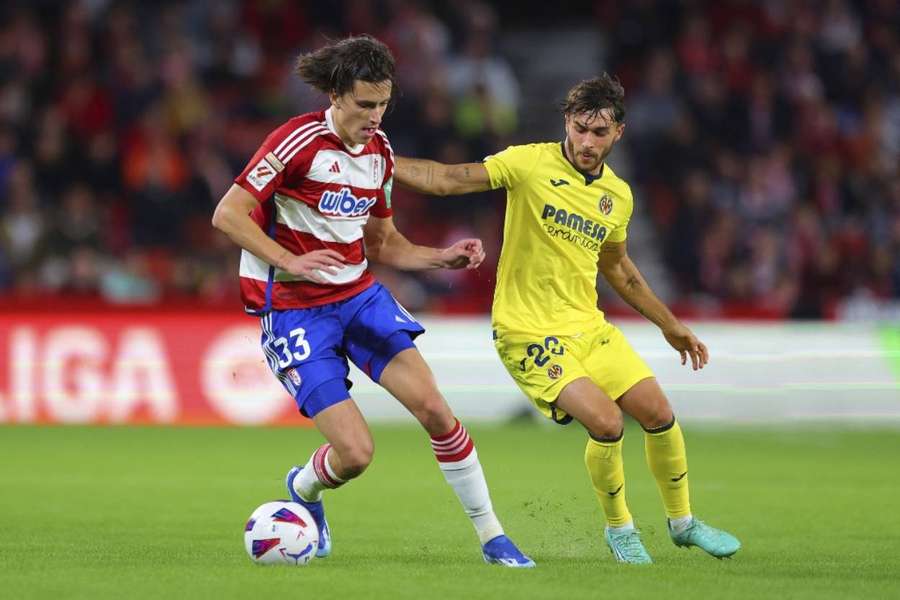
column 281, row 533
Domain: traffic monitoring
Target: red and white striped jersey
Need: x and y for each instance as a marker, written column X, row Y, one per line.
column 314, row 192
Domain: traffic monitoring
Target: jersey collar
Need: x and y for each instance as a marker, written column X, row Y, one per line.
column 588, row 178
column 329, row 122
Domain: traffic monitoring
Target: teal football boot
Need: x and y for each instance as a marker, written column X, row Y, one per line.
column 626, row 547
column 715, row 542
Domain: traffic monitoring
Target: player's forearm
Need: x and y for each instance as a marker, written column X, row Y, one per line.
column 423, row 176
column 243, row 231
column 631, row 286
column 398, row 252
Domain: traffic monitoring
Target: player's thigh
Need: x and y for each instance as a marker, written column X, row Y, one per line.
column 612, row 363
column 592, row 407
column 646, row 402
column 542, row 366
column 409, row 379
column 377, row 328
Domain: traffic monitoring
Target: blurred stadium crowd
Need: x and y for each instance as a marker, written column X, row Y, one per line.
column 762, row 139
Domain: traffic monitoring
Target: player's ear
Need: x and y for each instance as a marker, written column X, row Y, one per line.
column 334, row 99
column 620, row 129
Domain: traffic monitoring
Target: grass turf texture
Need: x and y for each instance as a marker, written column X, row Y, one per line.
column 155, row 512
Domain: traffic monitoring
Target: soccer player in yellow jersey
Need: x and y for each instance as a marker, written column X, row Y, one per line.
column 567, row 217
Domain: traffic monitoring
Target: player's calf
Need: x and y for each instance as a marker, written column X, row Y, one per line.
column 435, row 416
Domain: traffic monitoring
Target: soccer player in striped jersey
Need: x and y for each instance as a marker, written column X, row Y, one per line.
column 567, row 215
column 310, row 209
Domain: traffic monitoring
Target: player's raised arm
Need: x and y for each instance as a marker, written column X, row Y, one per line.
column 622, row 274
column 431, row 177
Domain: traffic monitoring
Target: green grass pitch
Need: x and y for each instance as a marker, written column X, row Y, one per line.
column 129, row 512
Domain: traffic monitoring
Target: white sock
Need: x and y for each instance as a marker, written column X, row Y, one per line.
column 680, row 524
column 459, row 463
column 317, row 475
column 621, row 528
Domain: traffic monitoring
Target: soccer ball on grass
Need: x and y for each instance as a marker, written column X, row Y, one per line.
column 281, row 533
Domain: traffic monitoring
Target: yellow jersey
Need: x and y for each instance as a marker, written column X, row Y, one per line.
column 556, row 220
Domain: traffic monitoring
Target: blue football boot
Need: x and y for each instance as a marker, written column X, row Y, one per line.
column 501, row 551
column 316, row 509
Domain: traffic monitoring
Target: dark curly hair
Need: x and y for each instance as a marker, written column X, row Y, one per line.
column 334, row 68
column 593, row 95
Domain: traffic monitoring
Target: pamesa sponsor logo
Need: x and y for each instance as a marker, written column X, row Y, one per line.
column 574, row 222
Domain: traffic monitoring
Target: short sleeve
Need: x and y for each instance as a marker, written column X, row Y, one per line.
column 265, row 171
column 512, row 166
column 620, row 233
column 382, row 207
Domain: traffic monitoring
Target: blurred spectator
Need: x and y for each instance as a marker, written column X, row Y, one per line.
column 784, row 153
column 23, row 225
column 762, row 139
column 129, row 281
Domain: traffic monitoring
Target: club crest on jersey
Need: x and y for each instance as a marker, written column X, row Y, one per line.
column 295, row 377
column 606, row 204
column 344, row 203
column 555, row 371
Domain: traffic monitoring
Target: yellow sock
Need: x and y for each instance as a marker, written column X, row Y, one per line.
column 604, row 464
column 667, row 460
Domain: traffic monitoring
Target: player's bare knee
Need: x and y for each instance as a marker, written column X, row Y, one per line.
column 355, row 459
column 658, row 417
column 606, row 425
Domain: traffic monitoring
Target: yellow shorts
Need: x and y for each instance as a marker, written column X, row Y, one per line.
column 542, row 365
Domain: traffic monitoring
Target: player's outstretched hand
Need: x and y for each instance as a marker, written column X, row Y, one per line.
column 307, row 265
column 683, row 339
column 468, row 253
